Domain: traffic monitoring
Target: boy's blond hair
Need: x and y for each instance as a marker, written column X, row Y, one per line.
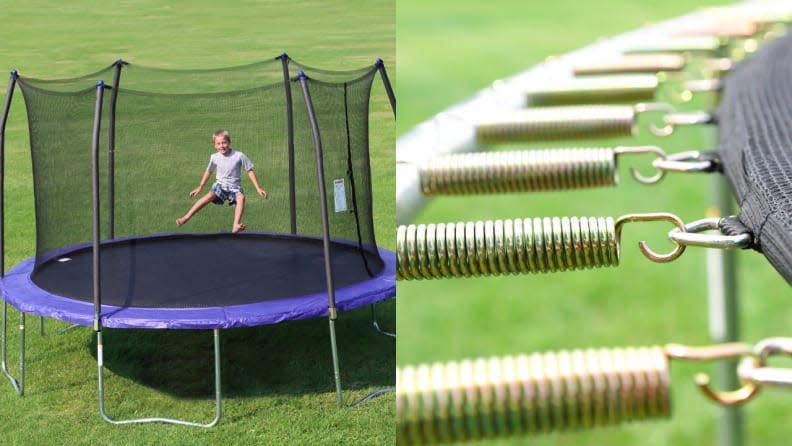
column 223, row 133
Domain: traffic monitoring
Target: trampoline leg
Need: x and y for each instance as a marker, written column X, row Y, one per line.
column 336, row 368
column 218, row 391
column 18, row 385
column 723, row 320
column 337, row 373
column 376, row 323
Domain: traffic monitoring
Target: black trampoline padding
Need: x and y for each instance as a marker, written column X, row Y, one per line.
column 755, row 119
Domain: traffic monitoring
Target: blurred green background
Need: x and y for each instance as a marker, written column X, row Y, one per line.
column 449, row 50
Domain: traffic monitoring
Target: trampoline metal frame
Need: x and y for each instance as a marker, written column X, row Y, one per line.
column 18, row 383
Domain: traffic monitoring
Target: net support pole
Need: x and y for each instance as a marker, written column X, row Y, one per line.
column 3, row 120
column 388, row 87
column 95, row 200
column 17, row 383
column 724, row 312
column 290, row 142
column 332, row 311
column 111, row 151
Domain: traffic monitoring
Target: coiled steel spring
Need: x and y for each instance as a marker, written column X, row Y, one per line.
column 497, row 247
column 524, row 245
column 556, row 123
column 594, row 90
column 534, row 170
column 583, row 121
column 528, row 170
column 530, row 394
column 633, row 63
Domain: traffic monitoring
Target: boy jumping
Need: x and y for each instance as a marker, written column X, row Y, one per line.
column 228, row 164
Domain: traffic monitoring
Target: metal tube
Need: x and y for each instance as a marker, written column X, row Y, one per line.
column 3, row 121
column 388, row 88
column 724, row 312
column 111, row 151
column 332, row 312
column 290, row 142
column 218, row 391
column 97, row 299
column 322, row 194
column 17, row 384
column 336, row 366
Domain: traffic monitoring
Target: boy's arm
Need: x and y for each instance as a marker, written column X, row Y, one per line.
column 204, row 179
column 255, row 181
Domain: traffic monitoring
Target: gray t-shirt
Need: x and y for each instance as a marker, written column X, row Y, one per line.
column 228, row 167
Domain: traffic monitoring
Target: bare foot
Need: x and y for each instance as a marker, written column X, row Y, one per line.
column 238, row 228
column 181, row 221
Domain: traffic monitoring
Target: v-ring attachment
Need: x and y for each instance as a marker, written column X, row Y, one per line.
column 692, row 235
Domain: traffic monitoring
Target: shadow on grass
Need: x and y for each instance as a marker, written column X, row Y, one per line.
column 290, row 358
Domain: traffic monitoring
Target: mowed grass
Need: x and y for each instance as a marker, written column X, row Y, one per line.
column 277, row 380
column 447, row 52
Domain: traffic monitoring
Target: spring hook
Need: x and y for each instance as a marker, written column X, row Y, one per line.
column 657, row 216
column 529, row 170
column 516, row 246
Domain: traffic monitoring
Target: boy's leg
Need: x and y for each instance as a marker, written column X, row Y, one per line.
column 203, row 201
column 238, row 211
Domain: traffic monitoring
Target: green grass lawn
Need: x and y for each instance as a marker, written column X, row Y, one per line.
column 277, row 380
column 447, row 52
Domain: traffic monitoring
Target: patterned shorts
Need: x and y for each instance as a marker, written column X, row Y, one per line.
column 225, row 193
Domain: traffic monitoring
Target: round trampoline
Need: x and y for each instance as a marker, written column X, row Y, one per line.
column 193, row 281
column 105, row 254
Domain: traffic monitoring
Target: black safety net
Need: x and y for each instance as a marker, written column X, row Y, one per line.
column 756, row 148
column 156, row 139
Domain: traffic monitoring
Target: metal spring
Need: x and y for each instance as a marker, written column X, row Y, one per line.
column 518, row 171
column 557, row 123
column 530, row 394
column 595, row 90
column 498, row 247
column 633, row 63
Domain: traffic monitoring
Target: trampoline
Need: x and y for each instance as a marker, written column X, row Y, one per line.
column 168, row 281
column 108, row 184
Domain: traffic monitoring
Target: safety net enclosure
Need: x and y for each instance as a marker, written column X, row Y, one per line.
column 756, row 148
column 155, row 139
column 116, row 155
